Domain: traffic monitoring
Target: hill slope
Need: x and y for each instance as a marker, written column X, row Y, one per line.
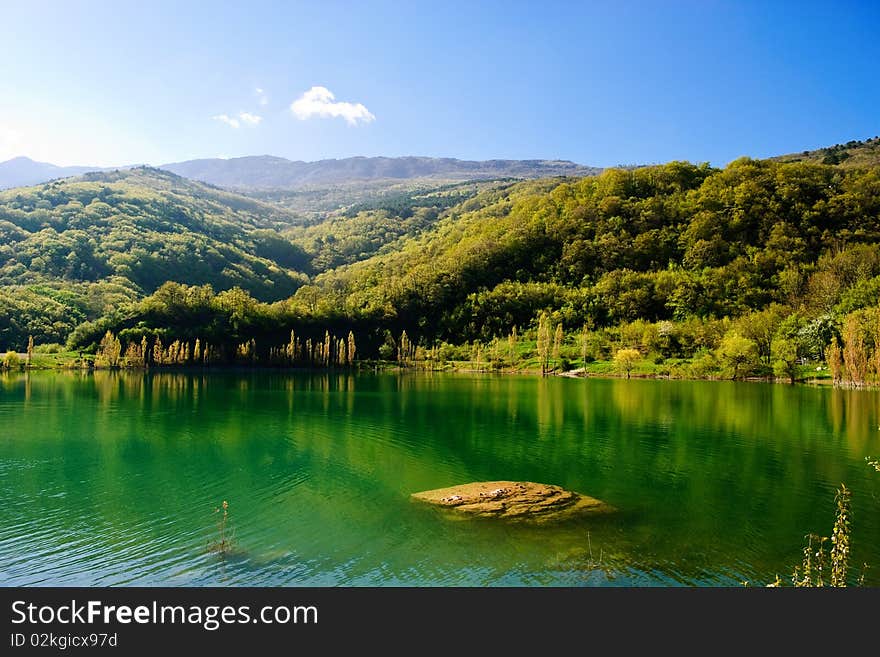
column 851, row 154
column 658, row 243
column 676, row 257
column 81, row 246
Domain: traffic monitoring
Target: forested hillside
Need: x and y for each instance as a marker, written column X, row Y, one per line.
column 854, row 153
column 382, row 224
column 672, row 259
column 667, row 242
column 73, row 250
column 751, row 263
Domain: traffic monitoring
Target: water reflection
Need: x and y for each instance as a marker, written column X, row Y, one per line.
column 112, row 477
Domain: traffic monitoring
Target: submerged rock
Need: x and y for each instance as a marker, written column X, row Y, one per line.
column 519, row 500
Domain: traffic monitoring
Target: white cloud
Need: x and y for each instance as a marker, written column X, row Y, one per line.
column 320, row 102
column 262, row 98
column 239, row 119
column 228, row 120
column 247, row 117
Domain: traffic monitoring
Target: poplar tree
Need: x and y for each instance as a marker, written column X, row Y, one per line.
column 585, row 345
column 340, row 352
column 403, row 348
column 543, row 342
column 557, row 344
column 854, row 356
column 291, row 347
column 110, row 349
column 351, row 348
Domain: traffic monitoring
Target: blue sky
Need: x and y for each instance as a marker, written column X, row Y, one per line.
column 111, row 83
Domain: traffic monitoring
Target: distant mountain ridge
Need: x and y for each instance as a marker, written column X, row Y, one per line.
column 268, row 172
column 23, row 171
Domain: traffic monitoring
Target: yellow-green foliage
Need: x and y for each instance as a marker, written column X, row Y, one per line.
column 737, row 354
column 625, row 360
column 11, row 361
column 110, row 350
column 853, row 153
column 666, row 259
column 855, row 360
column 73, row 249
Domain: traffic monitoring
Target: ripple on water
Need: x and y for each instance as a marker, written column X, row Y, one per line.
column 715, row 484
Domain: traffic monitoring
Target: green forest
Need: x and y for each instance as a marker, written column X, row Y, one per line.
column 760, row 268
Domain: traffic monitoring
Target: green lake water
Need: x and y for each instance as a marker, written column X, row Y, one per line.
column 113, row 478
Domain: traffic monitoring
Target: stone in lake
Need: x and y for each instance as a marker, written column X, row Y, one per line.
column 515, row 500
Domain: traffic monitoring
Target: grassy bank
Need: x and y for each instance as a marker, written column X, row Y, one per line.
column 524, row 363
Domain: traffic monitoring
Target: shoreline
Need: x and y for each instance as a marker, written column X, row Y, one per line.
column 387, row 366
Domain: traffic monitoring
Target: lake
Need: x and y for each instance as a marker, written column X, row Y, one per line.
column 113, row 478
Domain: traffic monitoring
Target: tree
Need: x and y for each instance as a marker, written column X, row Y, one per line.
column 835, row 361
column 737, row 354
column 543, row 342
column 477, row 355
column 405, row 349
column 585, row 345
column 30, row 351
column 110, row 349
column 388, row 347
column 11, row 361
column 351, row 348
column 133, row 355
column 158, row 352
column 625, row 360
column 854, row 353
column 341, row 352
column 785, row 353
column 328, row 345
column 291, row 350
column 558, row 337
column 760, row 327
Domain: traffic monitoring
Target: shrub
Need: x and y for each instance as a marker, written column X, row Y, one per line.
column 51, row 348
column 11, row 361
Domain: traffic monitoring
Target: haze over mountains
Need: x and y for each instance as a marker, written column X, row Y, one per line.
column 266, row 172
column 23, row 171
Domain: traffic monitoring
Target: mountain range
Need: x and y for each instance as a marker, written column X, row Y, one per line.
column 23, row 171
column 266, row 172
